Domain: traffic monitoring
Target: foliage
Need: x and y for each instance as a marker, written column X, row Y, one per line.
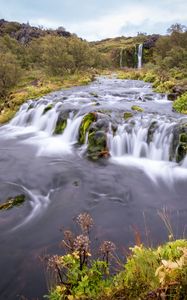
column 9, row 72
column 149, row 273
column 180, row 105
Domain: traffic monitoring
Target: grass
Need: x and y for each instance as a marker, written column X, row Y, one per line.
column 36, row 84
column 148, row 273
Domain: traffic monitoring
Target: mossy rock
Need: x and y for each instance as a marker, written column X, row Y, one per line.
column 127, row 115
column 137, row 108
column 181, row 152
column 47, row 108
column 178, row 147
column 95, row 95
column 62, row 121
column 151, row 131
column 11, row 202
column 85, row 124
column 97, row 145
column 60, row 126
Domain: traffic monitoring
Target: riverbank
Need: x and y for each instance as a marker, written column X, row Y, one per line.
column 36, row 84
column 147, row 273
column 174, row 84
column 103, row 150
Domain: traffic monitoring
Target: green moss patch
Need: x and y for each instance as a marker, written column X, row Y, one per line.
column 85, row 124
column 137, row 108
column 11, row 202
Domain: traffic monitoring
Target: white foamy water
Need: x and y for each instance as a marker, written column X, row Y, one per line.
column 134, row 138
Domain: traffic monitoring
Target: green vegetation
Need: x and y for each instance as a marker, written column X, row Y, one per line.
column 34, row 62
column 85, row 124
column 46, row 63
column 148, row 273
column 180, row 104
column 11, row 202
column 137, row 108
column 127, row 115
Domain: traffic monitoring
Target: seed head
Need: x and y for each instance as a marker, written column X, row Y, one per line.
column 85, row 221
column 107, row 247
column 82, row 243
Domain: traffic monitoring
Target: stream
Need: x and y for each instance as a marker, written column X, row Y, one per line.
column 122, row 192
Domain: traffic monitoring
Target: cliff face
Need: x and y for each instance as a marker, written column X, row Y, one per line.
column 123, row 50
column 24, row 33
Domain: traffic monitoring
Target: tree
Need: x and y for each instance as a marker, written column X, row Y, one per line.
column 177, row 27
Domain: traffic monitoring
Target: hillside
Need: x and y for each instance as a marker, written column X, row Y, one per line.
column 123, row 50
column 24, row 33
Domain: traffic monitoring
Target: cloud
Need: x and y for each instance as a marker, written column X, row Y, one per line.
column 98, row 19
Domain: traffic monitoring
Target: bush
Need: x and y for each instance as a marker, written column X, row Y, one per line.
column 148, row 273
column 9, row 72
column 180, row 105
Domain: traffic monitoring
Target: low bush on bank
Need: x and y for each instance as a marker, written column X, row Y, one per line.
column 148, row 273
column 180, row 105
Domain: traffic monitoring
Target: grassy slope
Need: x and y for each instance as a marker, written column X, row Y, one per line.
column 36, row 84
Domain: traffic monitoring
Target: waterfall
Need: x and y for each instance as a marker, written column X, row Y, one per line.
column 143, row 138
column 140, row 53
column 121, row 58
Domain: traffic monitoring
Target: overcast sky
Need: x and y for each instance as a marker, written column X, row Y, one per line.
column 98, row 19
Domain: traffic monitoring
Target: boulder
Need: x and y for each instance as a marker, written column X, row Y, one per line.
column 178, row 148
column 97, row 145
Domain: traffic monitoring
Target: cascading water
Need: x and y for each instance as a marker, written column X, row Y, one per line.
column 59, row 182
column 42, row 120
column 140, row 53
column 136, row 139
column 121, row 64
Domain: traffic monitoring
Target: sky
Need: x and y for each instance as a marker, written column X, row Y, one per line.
column 98, row 19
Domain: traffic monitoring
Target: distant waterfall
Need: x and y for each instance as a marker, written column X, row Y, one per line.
column 121, row 59
column 140, row 54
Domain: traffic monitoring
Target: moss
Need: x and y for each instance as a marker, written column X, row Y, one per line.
column 11, row 202
column 60, row 126
column 127, row 115
column 97, row 145
column 85, row 124
column 183, row 138
column 180, row 105
column 181, row 152
column 137, row 108
column 47, row 108
column 25, row 89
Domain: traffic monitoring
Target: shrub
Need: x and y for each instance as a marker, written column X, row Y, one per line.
column 180, row 105
column 9, row 72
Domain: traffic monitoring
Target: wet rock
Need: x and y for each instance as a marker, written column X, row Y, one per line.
column 95, row 95
column 97, row 145
column 172, row 96
column 47, row 108
column 152, row 128
column 11, row 202
column 178, row 148
column 127, row 115
column 62, row 120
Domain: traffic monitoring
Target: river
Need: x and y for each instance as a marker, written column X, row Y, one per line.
column 122, row 192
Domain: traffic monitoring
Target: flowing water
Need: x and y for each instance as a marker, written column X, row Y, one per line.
column 140, row 53
column 59, row 182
